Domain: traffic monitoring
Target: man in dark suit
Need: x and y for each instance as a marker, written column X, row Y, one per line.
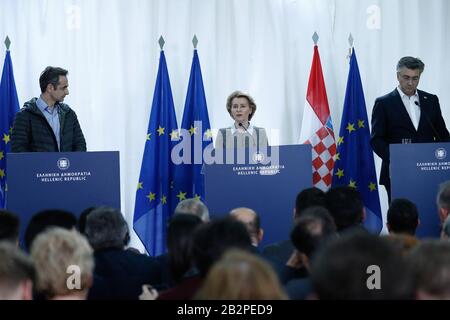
column 406, row 115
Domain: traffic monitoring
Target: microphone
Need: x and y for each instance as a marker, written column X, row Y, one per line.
column 428, row 120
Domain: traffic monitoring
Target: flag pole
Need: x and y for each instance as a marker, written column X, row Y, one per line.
column 7, row 43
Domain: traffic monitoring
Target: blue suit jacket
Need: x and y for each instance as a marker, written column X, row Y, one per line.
column 391, row 123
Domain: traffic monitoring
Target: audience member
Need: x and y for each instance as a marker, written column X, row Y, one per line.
column 443, row 200
column 430, row 262
column 361, row 266
column 240, row 275
column 347, row 209
column 118, row 273
column 402, row 217
column 251, row 221
column 193, row 206
column 64, row 264
column 48, row 218
column 282, row 251
column 9, row 226
column 312, row 229
column 17, row 273
column 210, row 241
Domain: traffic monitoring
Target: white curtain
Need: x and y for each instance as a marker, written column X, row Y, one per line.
column 263, row 47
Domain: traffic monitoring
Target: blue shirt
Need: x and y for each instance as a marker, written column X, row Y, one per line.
column 52, row 117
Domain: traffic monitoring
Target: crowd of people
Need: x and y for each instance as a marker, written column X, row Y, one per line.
column 327, row 255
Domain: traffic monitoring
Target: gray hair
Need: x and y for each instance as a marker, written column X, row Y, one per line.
column 106, row 228
column 443, row 196
column 410, row 63
column 193, row 206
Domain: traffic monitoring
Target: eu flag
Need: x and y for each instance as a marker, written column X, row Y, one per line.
column 355, row 166
column 154, row 202
column 196, row 135
column 9, row 105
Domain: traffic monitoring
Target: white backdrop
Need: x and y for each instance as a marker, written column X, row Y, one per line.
column 263, row 47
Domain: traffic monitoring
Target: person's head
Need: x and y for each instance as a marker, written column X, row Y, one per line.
column 311, row 230
column 251, row 221
column 240, row 275
column 54, row 84
column 402, row 217
column 430, row 262
column 361, row 266
column 409, row 70
column 179, row 243
column 106, row 228
column 214, row 238
column 64, row 264
column 16, row 273
column 346, row 207
column 241, row 106
column 82, row 219
column 48, row 218
column 193, row 206
column 307, row 198
column 9, row 226
column 443, row 200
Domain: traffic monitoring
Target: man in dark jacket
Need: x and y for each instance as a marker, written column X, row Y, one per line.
column 406, row 115
column 46, row 124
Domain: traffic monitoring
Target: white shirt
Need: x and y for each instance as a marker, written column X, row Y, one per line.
column 411, row 106
column 249, row 129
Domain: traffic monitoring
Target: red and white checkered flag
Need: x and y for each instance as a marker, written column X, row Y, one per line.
column 317, row 128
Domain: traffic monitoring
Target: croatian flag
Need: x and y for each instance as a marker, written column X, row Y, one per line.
column 317, row 128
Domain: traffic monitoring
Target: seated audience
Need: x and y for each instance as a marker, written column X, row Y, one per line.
column 118, row 273
column 252, row 222
column 9, row 226
column 361, row 266
column 64, row 264
column 193, row 206
column 210, row 241
column 240, row 275
column 48, row 218
column 430, row 262
column 309, row 197
column 17, row 273
column 312, row 229
column 402, row 217
column 347, row 209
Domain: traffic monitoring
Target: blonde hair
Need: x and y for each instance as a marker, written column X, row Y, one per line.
column 239, row 275
column 240, row 94
column 53, row 252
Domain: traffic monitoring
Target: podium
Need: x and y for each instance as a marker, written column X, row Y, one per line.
column 71, row 181
column 416, row 172
column 268, row 188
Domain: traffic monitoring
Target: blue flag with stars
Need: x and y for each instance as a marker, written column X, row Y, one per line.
column 355, row 166
column 154, row 202
column 189, row 177
column 9, row 105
